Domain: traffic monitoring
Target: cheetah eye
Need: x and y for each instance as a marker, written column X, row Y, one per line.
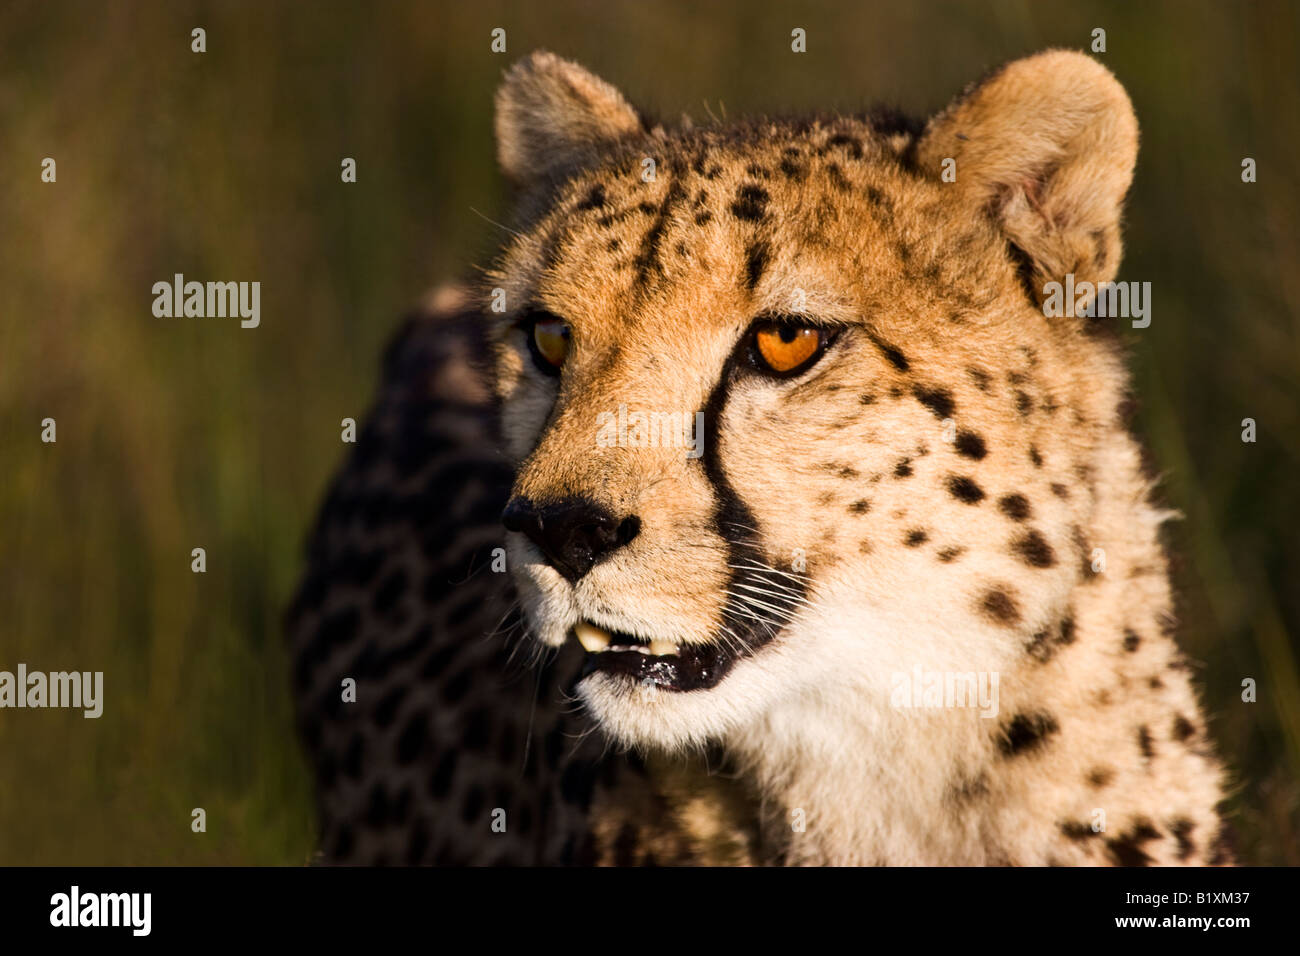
column 548, row 340
column 785, row 348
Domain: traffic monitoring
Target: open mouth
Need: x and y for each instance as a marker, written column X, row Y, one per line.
column 661, row 663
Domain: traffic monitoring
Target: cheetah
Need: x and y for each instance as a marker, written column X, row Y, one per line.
column 911, row 492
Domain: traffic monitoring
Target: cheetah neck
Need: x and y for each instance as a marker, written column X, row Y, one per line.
column 1101, row 707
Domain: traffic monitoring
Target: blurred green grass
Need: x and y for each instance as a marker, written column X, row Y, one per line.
column 181, row 434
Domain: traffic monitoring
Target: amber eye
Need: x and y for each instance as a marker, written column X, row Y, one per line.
column 549, row 338
column 786, row 349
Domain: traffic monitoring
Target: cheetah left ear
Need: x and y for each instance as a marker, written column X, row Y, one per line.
column 1046, row 146
column 553, row 118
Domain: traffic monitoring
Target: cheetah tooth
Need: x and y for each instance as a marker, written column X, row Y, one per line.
column 663, row 648
column 592, row 638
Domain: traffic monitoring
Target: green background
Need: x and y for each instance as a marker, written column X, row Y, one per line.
column 225, row 166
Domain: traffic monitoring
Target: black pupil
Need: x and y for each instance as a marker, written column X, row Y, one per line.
column 787, row 335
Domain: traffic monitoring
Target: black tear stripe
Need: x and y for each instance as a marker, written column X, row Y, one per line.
column 750, row 566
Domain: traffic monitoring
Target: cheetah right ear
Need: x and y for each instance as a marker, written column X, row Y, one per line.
column 553, row 118
column 1046, row 146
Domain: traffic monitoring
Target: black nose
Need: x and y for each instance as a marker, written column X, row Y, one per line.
column 573, row 534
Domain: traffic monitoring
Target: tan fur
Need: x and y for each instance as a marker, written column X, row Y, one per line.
column 943, row 515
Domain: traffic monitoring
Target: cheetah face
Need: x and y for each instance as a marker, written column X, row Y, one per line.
column 754, row 403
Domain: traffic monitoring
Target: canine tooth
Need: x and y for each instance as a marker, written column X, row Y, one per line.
column 592, row 638
column 662, row 648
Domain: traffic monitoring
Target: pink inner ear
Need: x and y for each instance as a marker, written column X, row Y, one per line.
column 1032, row 187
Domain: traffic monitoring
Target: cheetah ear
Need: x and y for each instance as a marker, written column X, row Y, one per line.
column 1046, row 145
column 553, row 118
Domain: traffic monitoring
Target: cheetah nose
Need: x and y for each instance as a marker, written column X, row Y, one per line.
column 573, row 534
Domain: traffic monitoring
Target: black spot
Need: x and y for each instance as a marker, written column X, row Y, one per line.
column 964, row 791
column 339, row 628
column 443, row 775
column 866, row 399
column 377, row 810
column 1183, row 728
column 970, row 445
column 473, row 805
column 703, row 217
column 844, row 139
column 948, row 555
column 1126, row 849
column 860, row 507
column 1078, row 831
column 392, row 588
column 343, row 842
column 1182, row 832
column 1026, row 733
column 1024, row 270
column 938, row 400
column 1224, row 849
column 792, row 169
column 837, row 177
column 750, row 203
column 903, row 469
column 454, row 691
column 613, row 245
column 386, row 709
column 1000, row 606
column 1131, row 641
column 1034, row 550
column 647, row 207
column 1035, row 457
column 916, row 538
column 594, row 199
column 413, row 738
column 477, row 730
column 1067, row 633
column 963, row 489
column 1100, row 776
column 1016, row 507
column 757, row 171
column 1024, row 404
column 755, row 263
column 895, row 357
column 577, row 783
column 1060, row 490
column 354, row 759
column 878, row 198
column 981, row 378
column 1144, row 742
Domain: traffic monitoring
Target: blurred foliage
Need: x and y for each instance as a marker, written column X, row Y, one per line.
column 181, row 434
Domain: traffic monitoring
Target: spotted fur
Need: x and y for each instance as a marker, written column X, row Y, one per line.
column 934, row 493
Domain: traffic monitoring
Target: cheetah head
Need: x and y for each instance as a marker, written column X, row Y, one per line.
column 783, row 400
